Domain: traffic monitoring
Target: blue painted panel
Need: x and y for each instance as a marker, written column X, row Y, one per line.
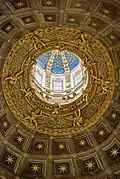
column 43, row 59
column 57, row 66
column 72, row 59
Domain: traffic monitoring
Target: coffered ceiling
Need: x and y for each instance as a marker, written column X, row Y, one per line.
column 89, row 154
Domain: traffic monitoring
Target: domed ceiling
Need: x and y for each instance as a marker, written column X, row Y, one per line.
column 59, row 89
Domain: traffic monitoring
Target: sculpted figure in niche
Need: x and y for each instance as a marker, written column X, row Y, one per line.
column 32, row 118
column 103, row 84
column 13, row 79
column 78, row 120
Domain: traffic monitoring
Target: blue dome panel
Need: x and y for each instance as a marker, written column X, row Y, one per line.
column 43, row 59
column 58, row 67
column 72, row 59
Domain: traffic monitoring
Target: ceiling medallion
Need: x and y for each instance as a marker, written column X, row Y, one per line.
column 58, row 80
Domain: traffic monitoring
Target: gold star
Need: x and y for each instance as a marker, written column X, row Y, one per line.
column 82, row 142
column 101, row 132
column 72, row 19
column 35, row 168
column 5, row 124
column 49, row 18
column 77, row 5
column 27, row 20
column 112, row 37
column 39, row 146
column 10, row 159
column 19, row 139
column 113, row 116
column 49, row 3
column 90, row 165
column 61, row 146
column 63, row 168
column 94, row 24
column 8, row 28
column 114, row 152
column 106, row 12
column 19, row 4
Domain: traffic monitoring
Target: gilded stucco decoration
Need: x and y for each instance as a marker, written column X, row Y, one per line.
column 57, row 119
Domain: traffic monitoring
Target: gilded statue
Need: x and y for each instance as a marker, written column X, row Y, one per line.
column 78, row 119
column 103, row 84
column 32, row 118
column 13, row 79
column 29, row 95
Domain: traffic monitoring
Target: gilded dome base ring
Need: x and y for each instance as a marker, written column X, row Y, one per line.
column 56, row 119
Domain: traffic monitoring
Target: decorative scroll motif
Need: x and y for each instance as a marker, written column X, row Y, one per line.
column 57, row 119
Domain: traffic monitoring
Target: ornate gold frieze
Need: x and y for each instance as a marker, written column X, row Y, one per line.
column 55, row 119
